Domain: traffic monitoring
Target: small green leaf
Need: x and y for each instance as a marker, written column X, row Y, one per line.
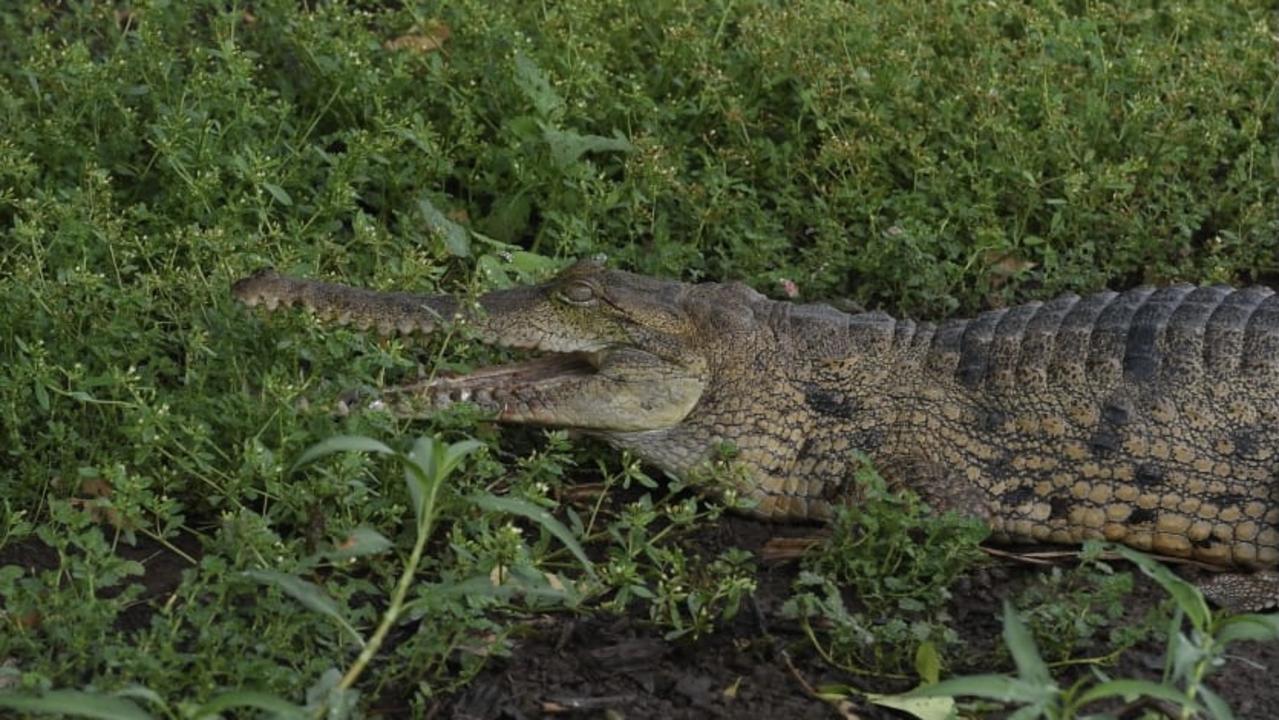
column 280, row 707
column 539, row 515
column 928, row 663
column 924, row 708
column 75, row 703
column 312, row 596
column 342, row 443
column 362, row 541
column 278, row 193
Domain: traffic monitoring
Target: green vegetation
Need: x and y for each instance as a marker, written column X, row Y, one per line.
column 924, row 157
column 1190, row 658
column 898, row 562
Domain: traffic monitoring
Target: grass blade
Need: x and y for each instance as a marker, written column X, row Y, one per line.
column 1187, row 596
column 992, row 687
column 1250, row 626
column 1021, row 644
column 1126, row 688
column 280, row 707
column 75, row 703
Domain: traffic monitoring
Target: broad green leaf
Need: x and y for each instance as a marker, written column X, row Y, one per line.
column 1187, row 596
column 1035, row 711
column 994, row 687
column 362, row 541
column 537, row 88
column 312, row 596
column 325, row 691
column 494, row 271
column 539, row 515
column 75, row 703
column 342, row 443
column 1186, row 655
column 1216, row 706
column 568, row 147
column 924, row 708
column 1126, row 689
column 422, row 477
column 1021, row 644
column 534, row 266
column 456, row 239
column 1250, row 626
column 455, row 453
column 140, row 692
column 246, row 698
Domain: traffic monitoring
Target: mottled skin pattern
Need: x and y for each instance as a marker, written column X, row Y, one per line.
column 1147, row 417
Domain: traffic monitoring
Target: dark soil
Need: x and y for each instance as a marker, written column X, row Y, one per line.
column 761, row 666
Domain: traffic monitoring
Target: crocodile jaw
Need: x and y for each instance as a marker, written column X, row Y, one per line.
column 601, row 392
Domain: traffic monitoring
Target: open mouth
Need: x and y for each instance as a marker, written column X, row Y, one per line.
column 497, row 387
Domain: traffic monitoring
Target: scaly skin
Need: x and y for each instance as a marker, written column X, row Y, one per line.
column 1149, row 417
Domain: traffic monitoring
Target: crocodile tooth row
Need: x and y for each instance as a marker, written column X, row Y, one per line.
column 385, row 327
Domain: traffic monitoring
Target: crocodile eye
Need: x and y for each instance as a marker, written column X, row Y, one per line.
column 578, row 293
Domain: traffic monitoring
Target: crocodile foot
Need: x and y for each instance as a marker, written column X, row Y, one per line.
column 1242, row 592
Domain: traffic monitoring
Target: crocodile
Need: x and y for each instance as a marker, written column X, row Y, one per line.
column 1148, row 417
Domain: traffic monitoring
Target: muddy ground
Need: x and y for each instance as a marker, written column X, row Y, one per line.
column 761, row 665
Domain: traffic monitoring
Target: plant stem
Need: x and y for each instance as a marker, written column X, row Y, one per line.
column 393, row 611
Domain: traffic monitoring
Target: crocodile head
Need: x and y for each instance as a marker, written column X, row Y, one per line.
column 622, row 356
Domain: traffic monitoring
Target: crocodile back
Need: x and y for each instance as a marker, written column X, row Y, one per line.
column 1149, row 417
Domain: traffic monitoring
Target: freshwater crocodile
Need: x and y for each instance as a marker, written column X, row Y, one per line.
column 1148, row 417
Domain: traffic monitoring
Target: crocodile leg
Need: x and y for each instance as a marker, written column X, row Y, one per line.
column 1242, row 592
column 936, row 485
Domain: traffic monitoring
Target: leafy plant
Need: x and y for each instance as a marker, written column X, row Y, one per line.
column 898, row 560
column 427, row 466
column 1190, row 658
column 1067, row 609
